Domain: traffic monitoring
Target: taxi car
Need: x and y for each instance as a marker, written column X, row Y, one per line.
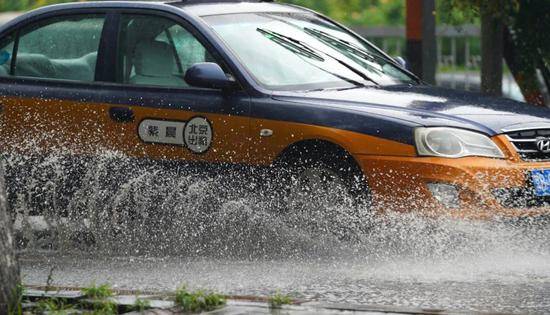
column 266, row 85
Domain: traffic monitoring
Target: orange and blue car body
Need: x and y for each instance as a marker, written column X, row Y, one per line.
column 379, row 125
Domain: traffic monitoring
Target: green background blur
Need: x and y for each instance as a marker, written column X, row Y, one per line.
column 350, row 12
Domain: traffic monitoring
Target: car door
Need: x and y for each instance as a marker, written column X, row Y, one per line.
column 47, row 84
column 154, row 112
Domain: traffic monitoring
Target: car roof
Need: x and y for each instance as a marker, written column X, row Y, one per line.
column 196, row 8
column 216, row 7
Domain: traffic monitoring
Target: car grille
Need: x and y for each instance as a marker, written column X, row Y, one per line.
column 522, row 198
column 525, row 143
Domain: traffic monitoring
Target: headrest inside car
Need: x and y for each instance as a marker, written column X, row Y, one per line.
column 154, row 59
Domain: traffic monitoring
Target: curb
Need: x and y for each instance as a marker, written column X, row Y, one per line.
column 161, row 303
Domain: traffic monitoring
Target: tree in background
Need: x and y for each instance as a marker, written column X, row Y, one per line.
column 23, row 5
column 527, row 46
column 9, row 269
column 358, row 12
column 513, row 29
column 351, row 12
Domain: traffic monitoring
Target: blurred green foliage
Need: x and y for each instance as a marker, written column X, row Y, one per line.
column 23, row 5
column 358, row 12
column 529, row 18
column 465, row 11
column 350, row 12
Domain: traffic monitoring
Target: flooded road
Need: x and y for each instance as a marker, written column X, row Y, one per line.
column 149, row 228
column 519, row 284
column 464, row 266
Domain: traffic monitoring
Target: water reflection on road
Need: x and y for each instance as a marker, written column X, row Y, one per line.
column 515, row 284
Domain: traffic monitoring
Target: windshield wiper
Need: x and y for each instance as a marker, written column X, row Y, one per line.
column 353, row 69
column 354, row 49
column 303, row 49
column 291, row 44
column 338, row 42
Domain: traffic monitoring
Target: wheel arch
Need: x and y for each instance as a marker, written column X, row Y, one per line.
column 312, row 150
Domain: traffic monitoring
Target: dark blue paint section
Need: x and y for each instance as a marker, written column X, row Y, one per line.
column 214, row 101
column 196, row 100
column 389, row 113
column 429, row 106
column 373, row 124
column 208, row 75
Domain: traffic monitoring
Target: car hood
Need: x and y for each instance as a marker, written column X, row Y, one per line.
column 431, row 106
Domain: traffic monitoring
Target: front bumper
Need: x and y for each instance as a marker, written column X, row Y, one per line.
column 487, row 188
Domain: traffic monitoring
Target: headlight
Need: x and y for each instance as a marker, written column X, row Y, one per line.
column 454, row 143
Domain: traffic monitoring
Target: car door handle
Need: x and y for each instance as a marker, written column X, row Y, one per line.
column 121, row 114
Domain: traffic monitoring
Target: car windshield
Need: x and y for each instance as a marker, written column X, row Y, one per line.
column 293, row 51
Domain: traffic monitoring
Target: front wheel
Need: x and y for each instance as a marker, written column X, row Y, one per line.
column 327, row 195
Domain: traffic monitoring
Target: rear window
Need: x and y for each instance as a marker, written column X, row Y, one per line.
column 60, row 48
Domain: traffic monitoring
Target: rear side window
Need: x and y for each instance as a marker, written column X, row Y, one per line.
column 61, row 48
column 156, row 51
column 6, row 52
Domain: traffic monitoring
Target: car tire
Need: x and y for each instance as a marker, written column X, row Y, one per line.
column 325, row 194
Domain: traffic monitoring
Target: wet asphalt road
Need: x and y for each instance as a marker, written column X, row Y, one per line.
column 506, row 283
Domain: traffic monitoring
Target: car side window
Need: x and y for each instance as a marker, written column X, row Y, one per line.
column 6, row 52
column 62, row 48
column 157, row 51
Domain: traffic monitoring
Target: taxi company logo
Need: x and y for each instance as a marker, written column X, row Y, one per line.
column 195, row 134
column 543, row 145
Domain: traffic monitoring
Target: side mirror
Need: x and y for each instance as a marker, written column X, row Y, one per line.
column 208, row 75
column 402, row 62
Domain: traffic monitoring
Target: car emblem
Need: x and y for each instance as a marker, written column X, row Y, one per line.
column 543, row 145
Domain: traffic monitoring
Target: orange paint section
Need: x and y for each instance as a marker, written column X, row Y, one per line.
column 396, row 176
column 33, row 125
column 400, row 183
column 37, row 125
column 230, row 140
column 264, row 150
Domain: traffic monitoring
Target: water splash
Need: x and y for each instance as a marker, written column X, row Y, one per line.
column 126, row 206
column 120, row 218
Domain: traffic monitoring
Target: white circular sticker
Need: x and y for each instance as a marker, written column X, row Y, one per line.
column 198, row 135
